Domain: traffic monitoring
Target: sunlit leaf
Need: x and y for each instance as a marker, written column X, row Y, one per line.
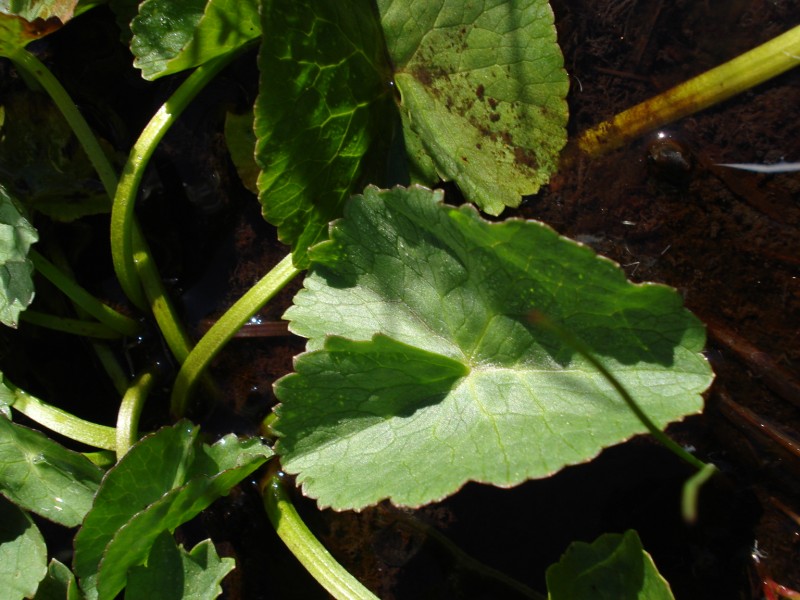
column 612, row 567
column 321, row 115
column 22, row 21
column 163, row 481
column 483, row 93
column 425, row 369
column 43, row 477
column 23, row 555
column 169, row 36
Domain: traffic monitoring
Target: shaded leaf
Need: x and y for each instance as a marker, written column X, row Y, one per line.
column 23, row 554
column 58, row 584
column 42, row 164
column 483, row 93
column 172, row 572
column 169, row 37
column 43, row 477
column 613, row 567
column 241, row 142
column 320, row 117
column 164, row 480
column 443, row 378
column 16, row 283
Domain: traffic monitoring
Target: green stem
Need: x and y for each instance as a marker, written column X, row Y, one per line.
column 67, row 325
column 225, row 328
column 61, row 421
column 162, row 308
column 103, row 313
column 336, row 580
column 733, row 77
column 130, row 409
column 123, row 237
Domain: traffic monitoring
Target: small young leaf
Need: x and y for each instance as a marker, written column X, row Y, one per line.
column 171, row 572
column 163, row 481
column 483, row 93
column 321, row 114
column 23, row 554
column 16, row 237
column 58, row 584
column 444, row 377
column 43, row 477
column 169, row 36
column 612, row 567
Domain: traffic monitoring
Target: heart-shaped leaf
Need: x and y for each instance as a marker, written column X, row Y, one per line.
column 425, row 369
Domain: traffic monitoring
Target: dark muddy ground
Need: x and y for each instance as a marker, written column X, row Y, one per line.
column 728, row 240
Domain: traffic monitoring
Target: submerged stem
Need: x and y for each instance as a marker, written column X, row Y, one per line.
column 225, row 328
column 123, row 236
column 733, row 77
column 103, row 313
column 336, row 580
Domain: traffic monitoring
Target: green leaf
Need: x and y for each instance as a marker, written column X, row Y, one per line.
column 16, row 237
column 613, row 567
column 41, row 163
column 23, row 554
column 321, row 114
column 164, row 480
column 483, row 93
column 22, row 21
column 169, row 36
column 172, row 572
column 58, row 584
column 43, row 477
column 443, row 378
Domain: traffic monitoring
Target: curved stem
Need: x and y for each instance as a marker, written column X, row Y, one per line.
column 130, row 409
column 61, row 421
column 123, row 237
column 67, row 325
column 103, row 313
column 733, row 77
column 225, row 328
column 336, row 580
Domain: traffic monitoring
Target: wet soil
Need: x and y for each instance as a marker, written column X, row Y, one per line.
column 729, row 241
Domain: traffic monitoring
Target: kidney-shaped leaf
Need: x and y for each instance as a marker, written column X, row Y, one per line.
column 425, row 369
column 483, row 93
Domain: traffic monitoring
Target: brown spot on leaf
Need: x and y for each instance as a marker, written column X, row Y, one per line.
column 523, row 156
column 479, row 91
column 494, row 117
column 493, row 103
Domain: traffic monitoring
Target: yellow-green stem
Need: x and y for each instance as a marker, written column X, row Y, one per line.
column 735, row 76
